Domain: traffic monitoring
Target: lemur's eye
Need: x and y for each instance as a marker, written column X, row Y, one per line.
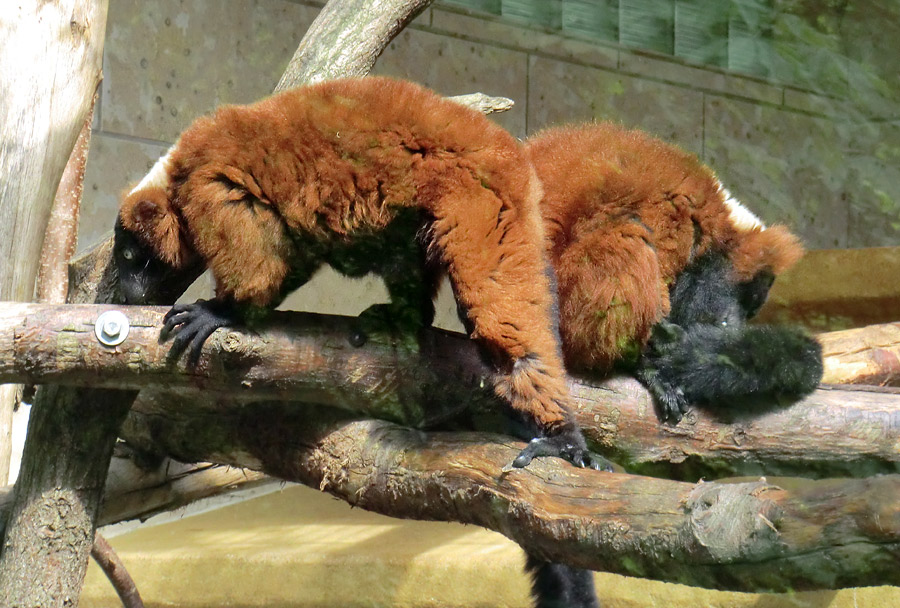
column 128, row 254
column 724, row 323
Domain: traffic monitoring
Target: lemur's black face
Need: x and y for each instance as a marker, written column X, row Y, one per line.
column 705, row 294
column 143, row 277
column 752, row 294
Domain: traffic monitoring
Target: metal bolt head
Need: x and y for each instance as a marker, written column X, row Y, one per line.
column 111, row 328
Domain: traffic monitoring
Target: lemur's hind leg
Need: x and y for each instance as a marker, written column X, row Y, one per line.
column 612, row 293
column 560, row 586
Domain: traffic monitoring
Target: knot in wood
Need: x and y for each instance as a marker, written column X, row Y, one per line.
column 734, row 521
column 237, row 343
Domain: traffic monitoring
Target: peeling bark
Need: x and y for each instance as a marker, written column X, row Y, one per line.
column 61, row 234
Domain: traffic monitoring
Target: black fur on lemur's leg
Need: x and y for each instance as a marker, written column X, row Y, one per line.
column 703, row 351
column 560, row 586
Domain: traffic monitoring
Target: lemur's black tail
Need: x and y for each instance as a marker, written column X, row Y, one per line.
column 714, row 364
column 560, row 586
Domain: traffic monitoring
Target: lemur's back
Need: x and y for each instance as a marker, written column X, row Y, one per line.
column 346, row 153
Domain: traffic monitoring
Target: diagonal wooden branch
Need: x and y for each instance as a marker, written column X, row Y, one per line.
column 346, row 38
column 303, row 357
column 116, row 572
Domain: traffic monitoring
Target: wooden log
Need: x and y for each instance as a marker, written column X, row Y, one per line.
column 758, row 535
column 300, row 357
column 836, row 431
column 866, row 355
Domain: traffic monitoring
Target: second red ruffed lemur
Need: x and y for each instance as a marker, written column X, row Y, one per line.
column 659, row 267
column 365, row 175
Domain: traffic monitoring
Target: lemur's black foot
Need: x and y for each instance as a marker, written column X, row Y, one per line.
column 568, row 445
column 192, row 324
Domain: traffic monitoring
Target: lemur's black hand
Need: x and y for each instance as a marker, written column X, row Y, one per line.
column 568, row 444
column 192, row 324
column 671, row 403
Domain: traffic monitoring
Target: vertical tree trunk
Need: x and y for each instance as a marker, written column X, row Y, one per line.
column 55, row 507
column 50, row 61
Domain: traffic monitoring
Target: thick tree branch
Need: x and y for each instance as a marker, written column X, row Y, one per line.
column 302, row 357
column 785, row 534
column 867, row 355
column 789, row 534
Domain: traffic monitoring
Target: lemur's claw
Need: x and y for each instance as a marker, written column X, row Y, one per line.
column 672, row 405
column 568, row 445
column 192, row 324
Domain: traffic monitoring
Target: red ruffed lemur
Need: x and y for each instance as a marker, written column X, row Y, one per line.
column 365, row 175
column 658, row 268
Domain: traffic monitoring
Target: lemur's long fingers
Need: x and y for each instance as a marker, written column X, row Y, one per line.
column 597, row 462
column 539, row 446
column 568, row 445
column 178, row 309
column 195, row 349
column 191, row 337
column 179, row 315
column 173, row 324
column 192, row 324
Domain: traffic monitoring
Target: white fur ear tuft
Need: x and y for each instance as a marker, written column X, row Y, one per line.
column 741, row 218
column 158, row 176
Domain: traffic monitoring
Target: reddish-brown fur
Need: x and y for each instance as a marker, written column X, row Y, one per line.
column 624, row 214
column 339, row 158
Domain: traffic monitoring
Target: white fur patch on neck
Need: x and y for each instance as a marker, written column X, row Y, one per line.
column 741, row 217
column 158, row 176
